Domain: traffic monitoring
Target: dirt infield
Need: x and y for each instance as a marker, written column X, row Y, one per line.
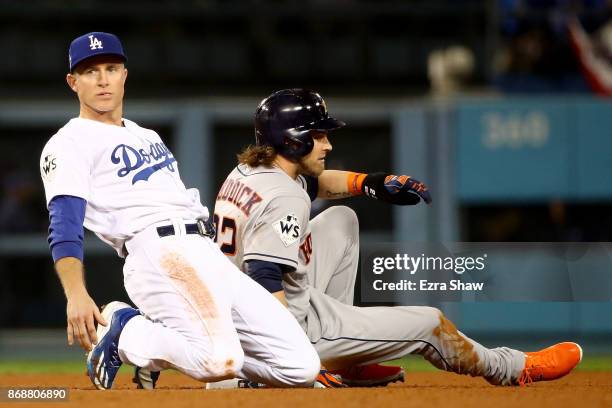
column 438, row 389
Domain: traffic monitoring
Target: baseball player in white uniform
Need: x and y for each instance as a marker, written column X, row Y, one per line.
column 263, row 222
column 199, row 314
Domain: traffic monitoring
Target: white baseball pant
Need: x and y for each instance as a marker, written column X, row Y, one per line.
column 205, row 317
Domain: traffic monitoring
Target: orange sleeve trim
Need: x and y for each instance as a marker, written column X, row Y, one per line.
column 354, row 183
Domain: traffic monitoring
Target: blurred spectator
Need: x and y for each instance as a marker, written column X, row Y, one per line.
column 537, row 55
column 448, row 69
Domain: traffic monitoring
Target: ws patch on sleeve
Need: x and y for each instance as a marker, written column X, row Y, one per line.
column 288, row 229
column 48, row 165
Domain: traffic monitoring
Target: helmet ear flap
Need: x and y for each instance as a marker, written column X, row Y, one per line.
column 297, row 145
column 292, row 145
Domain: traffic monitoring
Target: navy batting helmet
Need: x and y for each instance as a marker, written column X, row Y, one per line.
column 285, row 119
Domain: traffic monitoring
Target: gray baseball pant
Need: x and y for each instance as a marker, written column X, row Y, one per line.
column 345, row 335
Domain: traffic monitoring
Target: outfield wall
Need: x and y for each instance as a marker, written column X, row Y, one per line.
column 471, row 152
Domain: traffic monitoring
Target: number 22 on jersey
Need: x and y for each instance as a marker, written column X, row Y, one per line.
column 225, row 226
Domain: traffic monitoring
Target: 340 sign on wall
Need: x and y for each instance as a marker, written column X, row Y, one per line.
column 502, row 141
column 515, row 130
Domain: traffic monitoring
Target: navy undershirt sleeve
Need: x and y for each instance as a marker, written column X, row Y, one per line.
column 66, row 216
column 267, row 274
column 312, row 186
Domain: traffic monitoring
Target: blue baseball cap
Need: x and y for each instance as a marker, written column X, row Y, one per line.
column 92, row 44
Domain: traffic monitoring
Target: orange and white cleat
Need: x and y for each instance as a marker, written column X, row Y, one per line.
column 550, row 363
column 326, row 379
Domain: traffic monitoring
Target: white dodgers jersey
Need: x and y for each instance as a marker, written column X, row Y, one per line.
column 263, row 214
column 127, row 175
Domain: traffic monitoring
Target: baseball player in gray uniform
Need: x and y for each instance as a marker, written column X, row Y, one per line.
column 199, row 314
column 262, row 214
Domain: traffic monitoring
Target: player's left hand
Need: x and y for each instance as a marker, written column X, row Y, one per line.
column 406, row 185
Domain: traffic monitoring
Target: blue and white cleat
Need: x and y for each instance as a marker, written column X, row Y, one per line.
column 103, row 360
column 145, row 379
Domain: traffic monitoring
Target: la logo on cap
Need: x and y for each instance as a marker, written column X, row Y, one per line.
column 94, row 43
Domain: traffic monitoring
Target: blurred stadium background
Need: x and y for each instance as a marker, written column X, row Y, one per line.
column 492, row 103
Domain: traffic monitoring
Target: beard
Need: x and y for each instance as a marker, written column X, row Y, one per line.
column 313, row 169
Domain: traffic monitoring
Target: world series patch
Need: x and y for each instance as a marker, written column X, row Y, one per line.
column 48, row 165
column 288, row 229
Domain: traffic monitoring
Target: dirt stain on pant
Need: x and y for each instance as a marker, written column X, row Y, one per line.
column 457, row 350
column 186, row 277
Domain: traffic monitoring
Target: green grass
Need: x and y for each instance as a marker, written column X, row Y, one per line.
column 410, row 364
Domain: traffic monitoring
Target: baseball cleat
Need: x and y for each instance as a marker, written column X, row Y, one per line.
column 371, row 375
column 326, row 379
column 144, row 378
column 250, row 384
column 550, row 363
column 103, row 360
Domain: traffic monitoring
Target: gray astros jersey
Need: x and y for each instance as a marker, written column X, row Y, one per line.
column 261, row 213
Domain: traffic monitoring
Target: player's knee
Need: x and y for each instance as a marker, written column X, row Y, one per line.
column 221, row 365
column 431, row 318
column 304, row 375
column 345, row 219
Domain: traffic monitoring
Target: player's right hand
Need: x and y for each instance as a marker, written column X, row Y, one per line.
column 81, row 312
column 406, row 184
